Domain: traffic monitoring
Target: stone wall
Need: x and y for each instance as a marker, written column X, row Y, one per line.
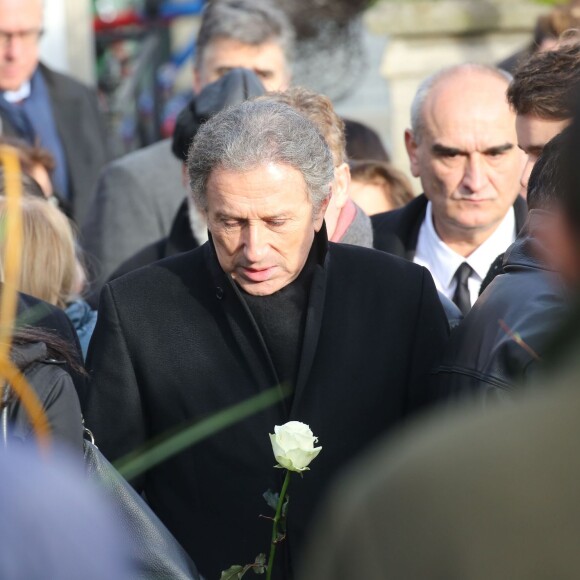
column 426, row 35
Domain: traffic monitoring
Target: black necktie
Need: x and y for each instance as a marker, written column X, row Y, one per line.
column 461, row 296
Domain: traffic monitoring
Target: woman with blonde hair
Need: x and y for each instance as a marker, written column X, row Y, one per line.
column 50, row 269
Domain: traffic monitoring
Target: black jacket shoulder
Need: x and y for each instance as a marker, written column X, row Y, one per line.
column 397, row 231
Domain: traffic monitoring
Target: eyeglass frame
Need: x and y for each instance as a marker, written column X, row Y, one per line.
column 28, row 36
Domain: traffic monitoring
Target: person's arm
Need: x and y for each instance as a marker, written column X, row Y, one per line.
column 62, row 407
column 113, row 410
column 431, row 333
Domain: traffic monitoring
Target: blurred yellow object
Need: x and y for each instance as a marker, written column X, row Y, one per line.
column 12, row 229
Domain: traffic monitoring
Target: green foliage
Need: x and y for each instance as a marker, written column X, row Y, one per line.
column 233, row 573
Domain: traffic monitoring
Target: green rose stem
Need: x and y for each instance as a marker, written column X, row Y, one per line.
column 275, row 525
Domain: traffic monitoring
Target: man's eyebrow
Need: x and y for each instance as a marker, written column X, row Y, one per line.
column 444, row 150
column 532, row 149
column 497, row 149
column 440, row 149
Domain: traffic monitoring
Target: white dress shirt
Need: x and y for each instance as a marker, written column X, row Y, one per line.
column 443, row 262
column 19, row 94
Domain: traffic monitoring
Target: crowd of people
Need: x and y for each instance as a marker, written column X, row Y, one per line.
column 271, row 244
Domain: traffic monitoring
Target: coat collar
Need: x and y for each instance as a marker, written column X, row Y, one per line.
column 247, row 334
column 397, row 231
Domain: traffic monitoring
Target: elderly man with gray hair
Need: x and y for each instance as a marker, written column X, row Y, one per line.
column 266, row 301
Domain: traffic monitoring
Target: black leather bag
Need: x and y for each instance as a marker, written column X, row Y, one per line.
column 156, row 552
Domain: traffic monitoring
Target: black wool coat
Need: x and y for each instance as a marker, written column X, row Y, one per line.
column 175, row 342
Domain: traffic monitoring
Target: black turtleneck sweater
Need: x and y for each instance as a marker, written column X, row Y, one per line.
column 281, row 317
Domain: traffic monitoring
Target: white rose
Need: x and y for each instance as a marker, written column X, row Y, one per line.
column 293, row 446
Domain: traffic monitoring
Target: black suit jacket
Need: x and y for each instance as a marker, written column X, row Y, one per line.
column 397, row 231
column 180, row 239
column 82, row 132
column 175, row 342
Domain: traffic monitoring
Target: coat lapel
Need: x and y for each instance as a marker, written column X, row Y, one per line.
column 245, row 331
column 313, row 323
column 67, row 112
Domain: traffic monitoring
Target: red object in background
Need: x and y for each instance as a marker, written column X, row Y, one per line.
column 123, row 18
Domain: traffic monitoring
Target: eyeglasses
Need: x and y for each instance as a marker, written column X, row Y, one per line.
column 28, row 37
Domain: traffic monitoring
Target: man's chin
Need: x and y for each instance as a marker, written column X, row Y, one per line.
column 259, row 288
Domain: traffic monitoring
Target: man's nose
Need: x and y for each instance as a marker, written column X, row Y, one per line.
column 526, row 174
column 255, row 242
column 475, row 176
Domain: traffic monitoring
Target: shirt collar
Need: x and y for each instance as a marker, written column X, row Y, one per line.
column 443, row 261
column 19, row 94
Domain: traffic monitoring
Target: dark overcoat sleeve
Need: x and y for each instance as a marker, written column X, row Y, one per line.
column 431, row 333
column 61, row 406
column 113, row 410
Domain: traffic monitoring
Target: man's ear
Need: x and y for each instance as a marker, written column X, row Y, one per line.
column 341, row 185
column 319, row 215
column 412, row 146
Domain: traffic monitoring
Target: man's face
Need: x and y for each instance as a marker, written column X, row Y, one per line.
column 262, row 224
column 533, row 133
column 20, row 27
column 222, row 55
column 467, row 156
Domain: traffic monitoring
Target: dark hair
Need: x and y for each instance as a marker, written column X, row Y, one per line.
column 252, row 22
column 571, row 171
column 547, row 181
column 29, row 185
column 362, row 143
column 233, row 88
column 57, row 348
column 395, row 184
column 555, row 23
column 542, row 85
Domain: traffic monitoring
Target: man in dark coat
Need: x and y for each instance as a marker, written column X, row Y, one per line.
column 267, row 300
column 40, row 105
column 463, row 146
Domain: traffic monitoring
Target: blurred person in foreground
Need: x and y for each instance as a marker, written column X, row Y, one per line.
column 47, row 108
column 463, row 147
column 266, row 301
column 55, row 524
column 471, row 494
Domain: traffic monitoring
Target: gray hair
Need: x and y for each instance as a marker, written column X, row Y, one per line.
column 428, row 84
column 252, row 22
column 254, row 134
